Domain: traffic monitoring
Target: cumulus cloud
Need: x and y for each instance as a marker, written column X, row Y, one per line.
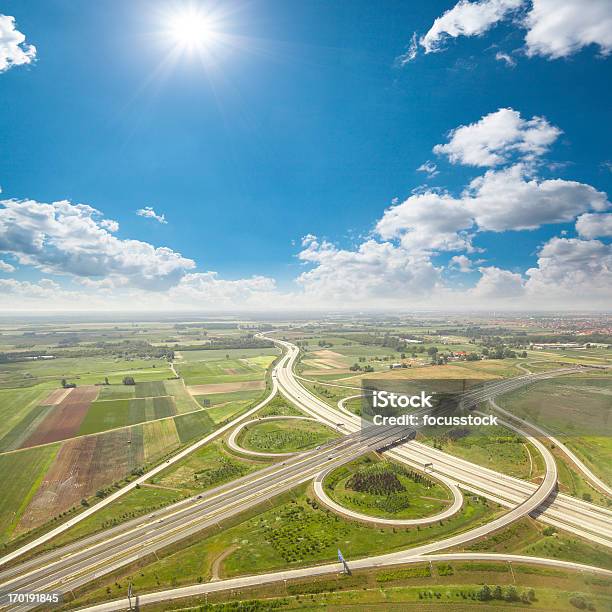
column 374, row 272
column 497, row 137
column 429, row 168
column 149, row 213
column 509, row 200
column 210, row 289
column 579, row 271
column 467, row 19
column 497, row 284
column 594, row 226
column 554, row 28
column 461, row 263
column 14, row 51
column 428, row 221
column 559, row 28
column 66, row 238
column 6, row 267
column 110, row 225
column 45, row 288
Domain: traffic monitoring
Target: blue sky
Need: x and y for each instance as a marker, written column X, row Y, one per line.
column 301, row 121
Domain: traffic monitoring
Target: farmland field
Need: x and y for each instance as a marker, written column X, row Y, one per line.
column 224, row 370
column 31, row 466
column 64, row 420
column 576, row 409
column 110, row 414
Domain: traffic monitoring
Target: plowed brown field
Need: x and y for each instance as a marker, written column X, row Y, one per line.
column 65, row 419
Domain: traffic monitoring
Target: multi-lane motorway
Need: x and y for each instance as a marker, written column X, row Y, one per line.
column 69, row 567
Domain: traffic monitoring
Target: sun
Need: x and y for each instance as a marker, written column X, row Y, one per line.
column 191, row 29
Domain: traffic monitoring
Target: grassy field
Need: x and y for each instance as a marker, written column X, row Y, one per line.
column 420, row 587
column 110, row 414
column 219, row 354
column 207, row 467
column 295, row 532
column 497, row 448
column 284, row 436
column 30, row 465
column 224, row 370
column 84, row 370
column 384, row 489
column 576, row 409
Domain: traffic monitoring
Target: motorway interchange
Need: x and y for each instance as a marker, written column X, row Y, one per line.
column 67, row 568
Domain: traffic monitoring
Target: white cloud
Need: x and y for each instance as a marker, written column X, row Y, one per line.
column 149, row 213
column 374, row 273
column 43, row 289
column 500, row 56
column 6, row 267
column 559, row 28
column 410, row 53
column 426, row 222
column 467, row 19
column 66, row 238
column 594, row 226
column 207, row 288
column 498, row 284
column 461, row 263
column 554, row 28
column 429, row 168
column 497, row 137
column 110, row 225
column 13, row 49
column 571, row 271
column 509, row 200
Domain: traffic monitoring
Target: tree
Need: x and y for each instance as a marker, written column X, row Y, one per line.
column 587, row 497
column 511, row 594
column 64, row 382
column 129, row 380
column 432, row 350
column 106, row 380
column 485, row 593
column 497, row 593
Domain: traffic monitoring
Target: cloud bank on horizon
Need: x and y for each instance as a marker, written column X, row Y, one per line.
column 417, row 248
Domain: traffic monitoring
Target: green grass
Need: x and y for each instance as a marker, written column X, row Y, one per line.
column 226, row 412
column 209, row 466
column 495, row 447
column 27, row 469
column 213, row 399
column 279, row 406
column 111, row 414
column 287, row 436
column 150, row 389
column 295, row 532
column 415, row 496
column 224, row 370
column 183, row 401
column 22, row 430
column 83, row 370
column 219, row 354
column 108, row 392
column 576, row 409
column 194, row 425
column 15, row 405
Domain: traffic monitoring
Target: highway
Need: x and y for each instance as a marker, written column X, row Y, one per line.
column 71, row 566
column 565, row 512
